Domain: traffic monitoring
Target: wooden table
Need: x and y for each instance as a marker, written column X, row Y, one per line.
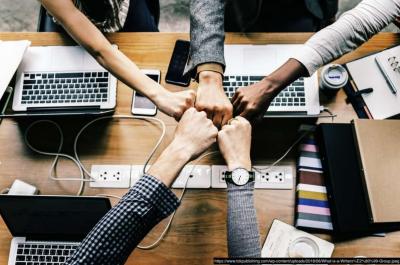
column 198, row 232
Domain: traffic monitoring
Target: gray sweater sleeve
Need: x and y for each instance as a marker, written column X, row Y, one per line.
column 351, row 30
column 207, row 33
column 243, row 234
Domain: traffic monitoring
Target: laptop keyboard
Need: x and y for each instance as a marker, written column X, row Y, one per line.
column 293, row 95
column 72, row 87
column 44, row 254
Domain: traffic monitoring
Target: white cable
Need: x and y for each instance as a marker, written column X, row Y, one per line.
column 76, row 160
column 56, row 155
column 283, row 156
column 120, row 117
column 163, row 233
column 109, row 196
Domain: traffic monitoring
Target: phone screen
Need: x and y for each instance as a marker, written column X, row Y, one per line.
column 142, row 102
column 177, row 64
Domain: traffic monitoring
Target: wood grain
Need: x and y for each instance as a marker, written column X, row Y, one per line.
column 198, row 232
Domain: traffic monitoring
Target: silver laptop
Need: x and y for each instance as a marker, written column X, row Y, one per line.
column 48, row 229
column 247, row 64
column 62, row 78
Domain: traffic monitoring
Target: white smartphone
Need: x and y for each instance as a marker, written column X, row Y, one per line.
column 141, row 105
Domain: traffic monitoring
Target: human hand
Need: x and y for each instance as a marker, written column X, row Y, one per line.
column 253, row 101
column 195, row 133
column 175, row 104
column 211, row 98
column 234, row 141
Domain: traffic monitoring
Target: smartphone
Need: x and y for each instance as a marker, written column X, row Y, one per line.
column 141, row 105
column 177, row 64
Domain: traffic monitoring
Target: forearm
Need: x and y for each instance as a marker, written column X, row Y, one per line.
column 283, row 76
column 206, row 33
column 82, row 30
column 113, row 239
column 170, row 163
column 128, row 72
column 243, row 233
column 351, row 30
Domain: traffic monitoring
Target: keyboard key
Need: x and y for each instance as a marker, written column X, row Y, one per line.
column 29, row 82
column 256, row 78
column 99, row 80
column 68, row 75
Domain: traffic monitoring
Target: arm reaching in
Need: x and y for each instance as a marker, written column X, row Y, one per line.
column 234, row 142
column 82, row 30
column 150, row 200
column 350, row 31
column 207, row 58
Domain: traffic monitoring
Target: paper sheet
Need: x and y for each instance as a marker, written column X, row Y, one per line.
column 11, row 53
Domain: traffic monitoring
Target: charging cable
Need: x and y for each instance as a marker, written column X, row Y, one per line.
column 167, row 227
column 56, row 155
column 258, row 169
column 76, row 159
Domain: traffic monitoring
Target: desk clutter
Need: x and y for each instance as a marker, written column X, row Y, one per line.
column 284, row 240
column 347, row 181
column 375, row 97
column 352, row 169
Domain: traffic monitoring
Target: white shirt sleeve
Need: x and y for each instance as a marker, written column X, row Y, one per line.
column 351, row 30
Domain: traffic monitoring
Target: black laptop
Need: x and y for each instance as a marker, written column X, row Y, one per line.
column 48, row 229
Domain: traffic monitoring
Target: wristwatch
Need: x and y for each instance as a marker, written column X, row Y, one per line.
column 239, row 176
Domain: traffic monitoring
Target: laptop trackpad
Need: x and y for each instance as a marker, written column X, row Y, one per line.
column 260, row 60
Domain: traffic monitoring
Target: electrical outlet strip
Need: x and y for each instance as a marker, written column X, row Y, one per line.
column 277, row 177
column 136, row 173
column 201, row 176
column 111, row 176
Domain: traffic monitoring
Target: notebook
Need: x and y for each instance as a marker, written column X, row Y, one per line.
column 379, row 154
column 347, row 201
column 312, row 208
column 365, row 73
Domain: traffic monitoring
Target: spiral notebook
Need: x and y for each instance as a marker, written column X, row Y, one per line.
column 381, row 72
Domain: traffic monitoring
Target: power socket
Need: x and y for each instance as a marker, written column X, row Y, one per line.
column 199, row 179
column 110, row 176
column 136, row 173
column 201, row 176
column 278, row 177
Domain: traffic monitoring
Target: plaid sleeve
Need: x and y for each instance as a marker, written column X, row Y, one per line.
column 115, row 236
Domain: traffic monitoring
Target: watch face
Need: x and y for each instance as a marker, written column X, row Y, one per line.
column 240, row 176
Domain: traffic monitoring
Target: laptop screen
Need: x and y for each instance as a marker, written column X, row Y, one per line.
column 52, row 217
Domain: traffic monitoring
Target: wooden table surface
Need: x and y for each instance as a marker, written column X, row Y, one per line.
column 198, row 232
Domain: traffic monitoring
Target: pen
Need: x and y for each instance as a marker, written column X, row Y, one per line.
column 385, row 75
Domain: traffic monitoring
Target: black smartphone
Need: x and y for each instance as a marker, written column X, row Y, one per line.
column 177, row 64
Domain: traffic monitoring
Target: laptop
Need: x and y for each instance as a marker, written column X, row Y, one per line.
column 48, row 229
column 248, row 64
column 62, row 79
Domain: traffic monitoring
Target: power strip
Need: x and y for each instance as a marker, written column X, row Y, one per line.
column 277, row 177
column 110, row 176
column 202, row 177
